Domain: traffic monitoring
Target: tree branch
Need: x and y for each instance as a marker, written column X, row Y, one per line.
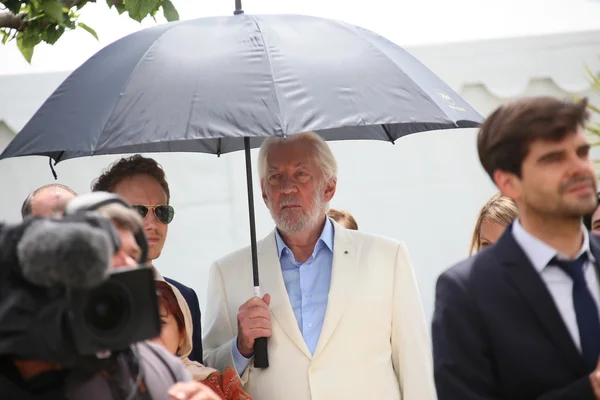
column 17, row 22
column 12, row 21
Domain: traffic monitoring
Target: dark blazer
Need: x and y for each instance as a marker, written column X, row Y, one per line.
column 497, row 333
column 192, row 300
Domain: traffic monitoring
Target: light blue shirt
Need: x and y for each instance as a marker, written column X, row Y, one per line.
column 307, row 285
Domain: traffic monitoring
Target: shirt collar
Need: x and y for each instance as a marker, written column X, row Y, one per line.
column 539, row 253
column 326, row 239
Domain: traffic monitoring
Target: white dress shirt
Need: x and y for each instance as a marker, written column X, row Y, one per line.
column 557, row 281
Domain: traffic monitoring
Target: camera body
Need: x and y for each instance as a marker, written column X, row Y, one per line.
column 120, row 311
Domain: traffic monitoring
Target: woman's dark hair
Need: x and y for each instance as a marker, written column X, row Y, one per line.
column 167, row 298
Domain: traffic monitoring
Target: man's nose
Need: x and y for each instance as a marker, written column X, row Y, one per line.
column 288, row 186
column 581, row 166
column 150, row 220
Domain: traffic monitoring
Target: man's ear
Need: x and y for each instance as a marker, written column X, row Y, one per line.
column 330, row 188
column 508, row 183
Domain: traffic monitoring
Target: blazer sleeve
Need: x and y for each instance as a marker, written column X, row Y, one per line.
column 411, row 349
column 462, row 366
column 219, row 333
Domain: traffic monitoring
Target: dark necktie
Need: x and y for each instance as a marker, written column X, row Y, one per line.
column 588, row 320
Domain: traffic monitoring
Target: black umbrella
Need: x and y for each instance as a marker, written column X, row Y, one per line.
column 217, row 85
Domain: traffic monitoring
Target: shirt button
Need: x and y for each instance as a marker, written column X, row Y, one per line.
column 307, row 295
column 310, row 324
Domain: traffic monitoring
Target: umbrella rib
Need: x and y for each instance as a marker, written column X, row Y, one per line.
column 127, row 83
column 268, row 54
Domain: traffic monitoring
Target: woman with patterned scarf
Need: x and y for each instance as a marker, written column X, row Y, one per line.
column 176, row 334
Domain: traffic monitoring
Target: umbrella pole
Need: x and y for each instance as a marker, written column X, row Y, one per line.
column 261, row 358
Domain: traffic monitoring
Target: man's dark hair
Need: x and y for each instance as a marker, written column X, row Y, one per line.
column 504, row 138
column 127, row 167
column 26, row 207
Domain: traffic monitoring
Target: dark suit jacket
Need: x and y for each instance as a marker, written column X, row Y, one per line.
column 192, row 300
column 497, row 333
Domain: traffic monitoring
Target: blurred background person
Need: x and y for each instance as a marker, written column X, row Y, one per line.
column 142, row 183
column 47, row 200
column 592, row 221
column 495, row 215
column 176, row 337
column 344, row 218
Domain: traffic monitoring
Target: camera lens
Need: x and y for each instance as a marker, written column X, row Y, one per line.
column 107, row 308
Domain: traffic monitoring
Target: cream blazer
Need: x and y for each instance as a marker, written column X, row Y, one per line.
column 374, row 343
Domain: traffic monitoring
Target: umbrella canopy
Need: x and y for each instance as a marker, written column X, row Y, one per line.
column 202, row 85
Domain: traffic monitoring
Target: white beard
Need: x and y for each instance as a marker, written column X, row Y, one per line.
column 292, row 220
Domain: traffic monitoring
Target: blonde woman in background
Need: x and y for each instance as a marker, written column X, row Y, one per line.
column 495, row 215
column 344, row 218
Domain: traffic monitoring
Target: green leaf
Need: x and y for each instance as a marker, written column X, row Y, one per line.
column 5, row 36
column 169, row 11
column 25, row 49
column 594, row 108
column 54, row 10
column 52, row 34
column 90, row 30
column 117, row 5
column 30, row 37
column 14, row 6
column 140, row 9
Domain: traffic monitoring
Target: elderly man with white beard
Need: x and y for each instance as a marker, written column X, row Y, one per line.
column 341, row 308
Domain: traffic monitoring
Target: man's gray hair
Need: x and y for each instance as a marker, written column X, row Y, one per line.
column 123, row 217
column 322, row 153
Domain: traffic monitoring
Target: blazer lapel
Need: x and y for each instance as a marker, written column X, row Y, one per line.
column 526, row 279
column 343, row 280
column 271, row 281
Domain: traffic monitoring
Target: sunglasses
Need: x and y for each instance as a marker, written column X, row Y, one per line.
column 163, row 213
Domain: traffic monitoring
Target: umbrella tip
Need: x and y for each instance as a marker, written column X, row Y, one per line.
column 238, row 7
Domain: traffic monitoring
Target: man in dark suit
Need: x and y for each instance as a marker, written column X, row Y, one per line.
column 521, row 319
column 141, row 181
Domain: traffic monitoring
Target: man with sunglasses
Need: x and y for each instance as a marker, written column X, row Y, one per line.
column 141, row 182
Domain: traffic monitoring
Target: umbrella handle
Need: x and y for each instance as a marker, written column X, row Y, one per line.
column 261, row 355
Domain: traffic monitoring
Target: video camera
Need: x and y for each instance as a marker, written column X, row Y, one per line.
column 60, row 300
